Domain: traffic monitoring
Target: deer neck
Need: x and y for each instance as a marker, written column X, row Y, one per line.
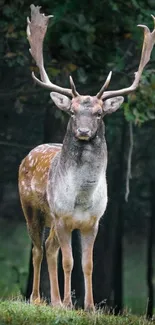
column 91, row 156
column 77, row 180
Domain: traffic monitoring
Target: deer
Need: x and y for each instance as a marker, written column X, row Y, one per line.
column 63, row 186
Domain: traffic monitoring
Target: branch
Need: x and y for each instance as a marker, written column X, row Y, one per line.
column 15, row 144
column 18, row 92
column 128, row 174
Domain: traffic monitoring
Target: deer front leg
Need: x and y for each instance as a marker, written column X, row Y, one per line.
column 64, row 237
column 87, row 244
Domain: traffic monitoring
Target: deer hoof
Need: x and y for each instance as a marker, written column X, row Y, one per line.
column 57, row 304
column 37, row 301
column 89, row 308
column 68, row 304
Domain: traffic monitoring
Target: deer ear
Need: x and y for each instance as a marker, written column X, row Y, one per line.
column 112, row 104
column 61, row 101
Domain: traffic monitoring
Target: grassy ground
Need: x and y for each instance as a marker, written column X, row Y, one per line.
column 20, row 313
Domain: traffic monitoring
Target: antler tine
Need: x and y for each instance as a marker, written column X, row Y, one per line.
column 74, row 91
column 106, row 84
column 148, row 43
column 36, row 30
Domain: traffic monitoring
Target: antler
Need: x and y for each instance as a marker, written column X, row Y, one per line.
column 148, row 43
column 106, row 84
column 36, row 30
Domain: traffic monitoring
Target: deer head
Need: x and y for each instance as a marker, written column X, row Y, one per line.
column 86, row 111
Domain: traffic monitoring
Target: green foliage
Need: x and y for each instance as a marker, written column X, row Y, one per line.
column 13, row 259
column 140, row 107
column 12, row 25
column 17, row 312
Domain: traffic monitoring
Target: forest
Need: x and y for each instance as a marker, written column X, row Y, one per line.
column 86, row 40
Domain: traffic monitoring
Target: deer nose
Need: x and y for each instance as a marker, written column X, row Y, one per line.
column 83, row 131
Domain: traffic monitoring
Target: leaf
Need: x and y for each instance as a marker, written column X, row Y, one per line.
column 23, row 98
column 8, row 11
column 10, row 55
column 10, row 28
column 91, row 38
column 151, row 115
column 75, row 44
column 18, row 106
column 82, row 75
column 34, row 68
column 70, row 67
column 128, row 35
column 82, row 19
column 53, row 71
column 135, row 4
column 65, row 39
column 153, row 81
column 132, row 97
column 11, row 35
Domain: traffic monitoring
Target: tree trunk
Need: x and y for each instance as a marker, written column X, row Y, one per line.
column 118, row 246
column 151, row 227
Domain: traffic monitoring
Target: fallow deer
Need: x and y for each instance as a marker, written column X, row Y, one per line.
column 63, row 186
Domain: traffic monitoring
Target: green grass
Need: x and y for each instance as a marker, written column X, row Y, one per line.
column 21, row 313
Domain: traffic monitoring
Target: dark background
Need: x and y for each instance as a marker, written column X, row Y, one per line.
column 86, row 39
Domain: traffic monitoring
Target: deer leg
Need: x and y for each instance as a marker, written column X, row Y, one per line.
column 52, row 247
column 87, row 244
column 35, row 225
column 67, row 262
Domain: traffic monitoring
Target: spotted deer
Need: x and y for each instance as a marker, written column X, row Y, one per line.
column 63, row 186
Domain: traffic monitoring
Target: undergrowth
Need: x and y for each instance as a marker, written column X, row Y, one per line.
column 21, row 313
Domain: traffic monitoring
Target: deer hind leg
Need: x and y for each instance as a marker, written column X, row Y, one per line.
column 87, row 244
column 52, row 248
column 35, row 225
column 64, row 237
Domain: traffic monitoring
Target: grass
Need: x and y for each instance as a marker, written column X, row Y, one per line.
column 21, row 313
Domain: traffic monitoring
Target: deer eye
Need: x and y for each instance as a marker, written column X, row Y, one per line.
column 72, row 113
column 99, row 113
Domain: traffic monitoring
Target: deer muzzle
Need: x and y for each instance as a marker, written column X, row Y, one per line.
column 83, row 134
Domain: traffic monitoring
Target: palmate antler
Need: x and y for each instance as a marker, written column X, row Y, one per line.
column 148, row 43
column 36, row 30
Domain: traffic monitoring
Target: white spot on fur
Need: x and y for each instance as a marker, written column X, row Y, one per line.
column 31, row 163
